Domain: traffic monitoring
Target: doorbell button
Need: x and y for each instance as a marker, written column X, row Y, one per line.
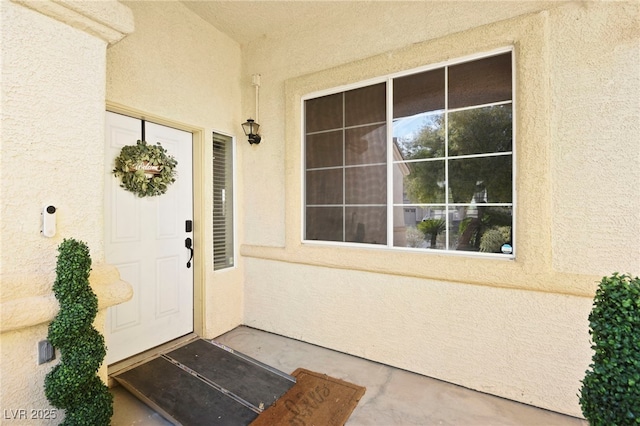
column 49, row 221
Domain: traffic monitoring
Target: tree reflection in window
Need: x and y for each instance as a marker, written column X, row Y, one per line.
column 428, row 153
column 475, row 154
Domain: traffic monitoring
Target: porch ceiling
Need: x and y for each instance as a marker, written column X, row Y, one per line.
column 245, row 21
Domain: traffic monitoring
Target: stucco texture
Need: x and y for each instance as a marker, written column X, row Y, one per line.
column 526, row 346
column 52, row 153
column 41, row 134
column 517, row 328
column 177, row 67
column 595, row 110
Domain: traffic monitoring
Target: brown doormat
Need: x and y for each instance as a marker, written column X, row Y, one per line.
column 315, row 399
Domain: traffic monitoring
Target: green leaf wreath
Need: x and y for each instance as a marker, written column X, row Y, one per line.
column 146, row 170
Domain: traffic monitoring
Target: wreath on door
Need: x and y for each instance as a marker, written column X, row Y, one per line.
column 146, row 170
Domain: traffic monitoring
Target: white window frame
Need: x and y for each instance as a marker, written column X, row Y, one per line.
column 388, row 79
column 234, row 166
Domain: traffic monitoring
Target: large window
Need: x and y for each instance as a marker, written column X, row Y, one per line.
column 422, row 160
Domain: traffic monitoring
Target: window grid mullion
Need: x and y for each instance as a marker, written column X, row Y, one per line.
column 446, row 157
column 513, row 157
column 390, row 164
column 452, row 157
column 358, row 126
column 344, row 174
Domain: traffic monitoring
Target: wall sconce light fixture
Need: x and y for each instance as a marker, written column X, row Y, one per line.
column 250, row 128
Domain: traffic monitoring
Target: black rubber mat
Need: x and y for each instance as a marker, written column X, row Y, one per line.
column 255, row 383
column 204, row 384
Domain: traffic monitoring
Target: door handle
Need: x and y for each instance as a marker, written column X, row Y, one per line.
column 189, row 245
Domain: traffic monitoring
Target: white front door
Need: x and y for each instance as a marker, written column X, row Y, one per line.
column 145, row 239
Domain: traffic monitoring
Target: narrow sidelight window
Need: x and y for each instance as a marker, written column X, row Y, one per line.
column 223, row 211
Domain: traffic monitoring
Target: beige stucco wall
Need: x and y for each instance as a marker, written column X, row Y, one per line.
column 513, row 328
column 53, row 72
column 595, row 149
column 518, row 328
column 178, row 68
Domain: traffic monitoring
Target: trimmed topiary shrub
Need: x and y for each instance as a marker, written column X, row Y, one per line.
column 610, row 393
column 73, row 385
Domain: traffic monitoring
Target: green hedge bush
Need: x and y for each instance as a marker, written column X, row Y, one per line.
column 73, row 385
column 610, row 393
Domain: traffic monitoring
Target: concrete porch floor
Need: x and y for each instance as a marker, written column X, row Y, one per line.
column 393, row 396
